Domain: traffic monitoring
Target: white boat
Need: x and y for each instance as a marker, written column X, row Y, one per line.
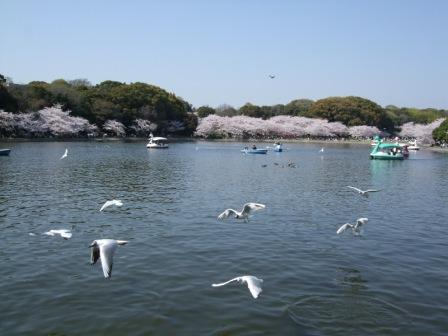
column 157, row 142
column 278, row 147
column 413, row 145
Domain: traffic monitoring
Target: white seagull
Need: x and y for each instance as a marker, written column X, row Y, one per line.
column 244, row 214
column 64, row 155
column 104, row 249
column 356, row 228
column 364, row 193
column 321, row 150
column 109, row 203
column 253, row 283
column 66, row 234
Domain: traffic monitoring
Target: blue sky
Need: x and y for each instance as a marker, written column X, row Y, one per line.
column 215, row 52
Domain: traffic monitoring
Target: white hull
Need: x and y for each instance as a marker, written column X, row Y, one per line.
column 152, row 145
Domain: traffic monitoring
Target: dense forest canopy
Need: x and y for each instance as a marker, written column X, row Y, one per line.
column 142, row 104
column 109, row 100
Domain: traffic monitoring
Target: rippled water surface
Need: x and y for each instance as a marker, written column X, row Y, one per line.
column 392, row 280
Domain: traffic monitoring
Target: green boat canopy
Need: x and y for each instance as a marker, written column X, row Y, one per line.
column 389, row 145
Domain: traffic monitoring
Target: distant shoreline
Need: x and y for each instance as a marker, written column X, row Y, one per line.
column 194, row 139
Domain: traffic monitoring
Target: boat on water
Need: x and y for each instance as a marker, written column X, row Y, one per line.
column 5, row 152
column 388, row 151
column 157, row 142
column 254, row 150
column 413, row 146
column 278, row 147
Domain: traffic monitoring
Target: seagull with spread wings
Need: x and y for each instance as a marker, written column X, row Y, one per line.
column 66, row 234
column 248, row 208
column 364, row 193
column 110, row 203
column 253, row 283
column 64, row 155
column 104, row 249
column 356, row 228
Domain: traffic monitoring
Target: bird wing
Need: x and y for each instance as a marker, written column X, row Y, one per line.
column 107, row 204
column 49, row 233
column 227, row 213
column 95, row 254
column 65, row 234
column 65, row 154
column 225, row 283
column 373, row 190
column 358, row 190
column 118, row 203
column 254, row 285
column 248, row 207
column 361, row 221
column 343, row 228
column 106, row 255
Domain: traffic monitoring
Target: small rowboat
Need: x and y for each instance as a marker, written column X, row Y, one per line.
column 254, row 151
column 5, row 152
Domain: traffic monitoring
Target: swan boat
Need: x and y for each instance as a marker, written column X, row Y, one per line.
column 388, row 151
column 157, row 142
column 413, row 145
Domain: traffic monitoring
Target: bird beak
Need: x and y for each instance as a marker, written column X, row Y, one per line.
column 92, row 245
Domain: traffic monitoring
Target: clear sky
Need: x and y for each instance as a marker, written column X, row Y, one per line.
column 214, row 52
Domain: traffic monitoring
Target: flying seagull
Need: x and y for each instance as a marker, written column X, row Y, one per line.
column 321, row 150
column 356, row 228
column 109, row 203
column 364, row 193
column 271, row 76
column 104, row 249
column 253, row 283
column 244, row 214
column 66, row 234
column 64, row 155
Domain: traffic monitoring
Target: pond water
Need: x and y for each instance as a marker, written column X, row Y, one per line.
column 392, row 280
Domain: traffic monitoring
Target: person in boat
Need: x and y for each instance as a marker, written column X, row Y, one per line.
column 254, row 147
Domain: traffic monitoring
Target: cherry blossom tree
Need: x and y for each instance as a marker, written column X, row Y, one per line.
column 363, row 131
column 421, row 132
column 276, row 127
column 50, row 121
column 114, row 128
column 142, row 127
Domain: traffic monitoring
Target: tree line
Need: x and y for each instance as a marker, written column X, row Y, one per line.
column 125, row 103
column 351, row 111
column 109, row 100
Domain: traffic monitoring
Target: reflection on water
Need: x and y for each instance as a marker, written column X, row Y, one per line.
column 390, row 281
column 349, row 313
column 352, row 279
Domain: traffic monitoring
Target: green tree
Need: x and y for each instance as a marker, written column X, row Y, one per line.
column 190, row 121
column 251, row 110
column 440, row 134
column 7, row 101
column 352, row 111
column 298, row 107
column 204, row 111
column 226, row 110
